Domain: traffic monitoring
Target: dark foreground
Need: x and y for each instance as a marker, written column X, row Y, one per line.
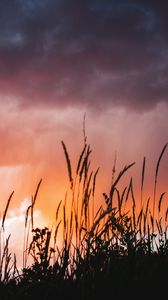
column 125, row 278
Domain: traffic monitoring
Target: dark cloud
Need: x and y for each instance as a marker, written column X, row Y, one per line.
column 91, row 53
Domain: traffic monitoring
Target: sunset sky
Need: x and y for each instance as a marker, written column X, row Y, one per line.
column 60, row 59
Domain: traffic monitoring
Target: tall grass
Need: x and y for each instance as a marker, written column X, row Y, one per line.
column 96, row 243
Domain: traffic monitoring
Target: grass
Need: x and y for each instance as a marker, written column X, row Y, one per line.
column 109, row 250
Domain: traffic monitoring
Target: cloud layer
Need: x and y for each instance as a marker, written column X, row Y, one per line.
column 90, row 53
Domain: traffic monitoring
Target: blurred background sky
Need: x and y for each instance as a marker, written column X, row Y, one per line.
column 64, row 58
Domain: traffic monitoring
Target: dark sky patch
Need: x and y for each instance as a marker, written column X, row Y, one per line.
column 93, row 53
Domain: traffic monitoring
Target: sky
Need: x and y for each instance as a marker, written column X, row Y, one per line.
column 61, row 60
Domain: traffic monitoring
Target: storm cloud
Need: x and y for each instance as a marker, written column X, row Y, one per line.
column 96, row 54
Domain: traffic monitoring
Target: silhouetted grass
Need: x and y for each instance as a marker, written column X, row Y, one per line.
column 109, row 250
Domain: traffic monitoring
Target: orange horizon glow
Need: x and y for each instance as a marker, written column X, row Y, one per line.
column 42, row 157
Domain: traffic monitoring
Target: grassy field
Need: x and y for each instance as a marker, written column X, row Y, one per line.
column 106, row 252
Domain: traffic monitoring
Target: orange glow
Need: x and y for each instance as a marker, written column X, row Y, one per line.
column 31, row 149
